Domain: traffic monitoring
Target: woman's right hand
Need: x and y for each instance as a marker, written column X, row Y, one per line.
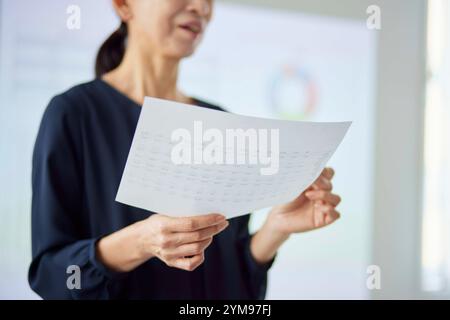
column 179, row 242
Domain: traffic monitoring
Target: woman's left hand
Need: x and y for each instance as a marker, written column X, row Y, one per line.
column 314, row 208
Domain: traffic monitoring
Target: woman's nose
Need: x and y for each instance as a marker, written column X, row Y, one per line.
column 201, row 7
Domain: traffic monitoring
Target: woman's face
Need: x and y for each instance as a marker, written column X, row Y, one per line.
column 171, row 28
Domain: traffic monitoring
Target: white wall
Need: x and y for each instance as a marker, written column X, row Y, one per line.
column 399, row 170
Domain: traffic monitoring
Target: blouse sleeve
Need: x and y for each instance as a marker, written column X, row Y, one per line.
column 60, row 242
column 256, row 273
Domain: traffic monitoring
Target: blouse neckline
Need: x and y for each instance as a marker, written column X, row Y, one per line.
column 127, row 98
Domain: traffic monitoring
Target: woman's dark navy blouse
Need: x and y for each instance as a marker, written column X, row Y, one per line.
column 80, row 153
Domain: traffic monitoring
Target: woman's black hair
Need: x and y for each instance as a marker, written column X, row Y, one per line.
column 112, row 51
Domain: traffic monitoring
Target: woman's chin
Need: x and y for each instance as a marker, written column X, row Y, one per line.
column 183, row 52
column 182, row 47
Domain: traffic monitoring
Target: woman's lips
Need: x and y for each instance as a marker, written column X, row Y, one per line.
column 190, row 31
column 192, row 28
column 193, row 25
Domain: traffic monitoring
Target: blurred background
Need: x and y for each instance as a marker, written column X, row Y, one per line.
column 383, row 64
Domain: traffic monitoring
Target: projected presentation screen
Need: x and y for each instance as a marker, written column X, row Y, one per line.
column 289, row 65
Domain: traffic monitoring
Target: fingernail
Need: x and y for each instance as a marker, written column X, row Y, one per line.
column 220, row 217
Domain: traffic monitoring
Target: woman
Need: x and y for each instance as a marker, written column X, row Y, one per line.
column 79, row 156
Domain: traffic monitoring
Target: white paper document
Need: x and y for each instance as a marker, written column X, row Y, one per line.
column 187, row 160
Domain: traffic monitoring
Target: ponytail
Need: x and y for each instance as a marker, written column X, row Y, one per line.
column 112, row 51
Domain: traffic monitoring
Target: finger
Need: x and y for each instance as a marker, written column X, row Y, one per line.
column 325, row 208
column 189, row 263
column 319, row 218
column 168, row 240
column 187, row 224
column 328, row 212
column 186, row 250
column 322, row 183
column 326, row 196
column 332, row 216
column 328, row 173
column 199, row 235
